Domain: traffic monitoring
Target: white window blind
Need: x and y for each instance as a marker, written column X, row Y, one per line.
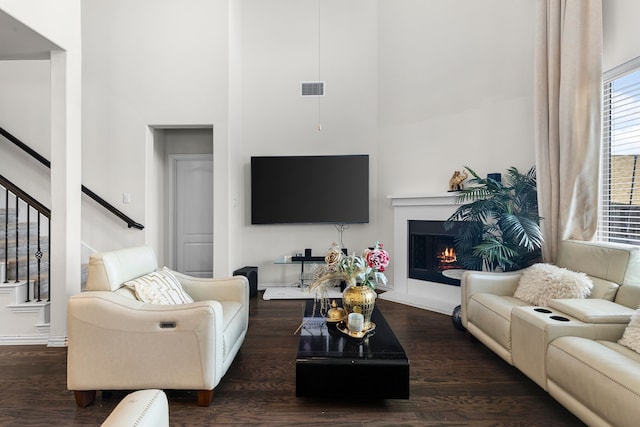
column 619, row 219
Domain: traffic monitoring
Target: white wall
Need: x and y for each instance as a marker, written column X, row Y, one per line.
column 621, row 38
column 25, row 90
column 285, row 42
column 423, row 87
column 56, row 21
column 25, row 112
column 455, row 89
column 146, row 63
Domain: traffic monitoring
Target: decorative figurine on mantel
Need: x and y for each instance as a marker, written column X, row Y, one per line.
column 455, row 183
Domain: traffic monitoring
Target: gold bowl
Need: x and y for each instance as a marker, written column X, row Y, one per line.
column 342, row 327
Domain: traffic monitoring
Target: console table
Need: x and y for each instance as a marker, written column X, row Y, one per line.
column 300, row 260
column 331, row 364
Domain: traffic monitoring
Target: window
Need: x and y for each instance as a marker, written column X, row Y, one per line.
column 619, row 219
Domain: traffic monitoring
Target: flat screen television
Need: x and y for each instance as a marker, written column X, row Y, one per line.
column 310, row 189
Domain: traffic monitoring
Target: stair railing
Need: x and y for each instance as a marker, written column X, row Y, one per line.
column 24, row 147
column 22, row 199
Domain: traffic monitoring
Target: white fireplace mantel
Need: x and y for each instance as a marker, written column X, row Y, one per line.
column 432, row 296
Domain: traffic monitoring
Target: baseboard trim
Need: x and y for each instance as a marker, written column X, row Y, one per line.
column 438, row 306
column 24, row 340
column 57, row 341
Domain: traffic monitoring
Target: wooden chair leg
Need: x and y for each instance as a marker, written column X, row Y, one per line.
column 204, row 397
column 84, row 398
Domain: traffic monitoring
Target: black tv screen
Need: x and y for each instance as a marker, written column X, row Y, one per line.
column 310, row 189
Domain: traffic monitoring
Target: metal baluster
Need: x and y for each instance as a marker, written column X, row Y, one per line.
column 35, row 283
column 28, row 250
column 39, row 258
column 17, row 242
column 6, row 234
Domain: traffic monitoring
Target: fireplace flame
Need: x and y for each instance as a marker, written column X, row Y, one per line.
column 448, row 255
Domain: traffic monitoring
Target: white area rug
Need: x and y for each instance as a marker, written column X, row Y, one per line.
column 295, row 293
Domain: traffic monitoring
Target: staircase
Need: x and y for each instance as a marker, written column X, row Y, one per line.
column 24, row 306
column 24, row 290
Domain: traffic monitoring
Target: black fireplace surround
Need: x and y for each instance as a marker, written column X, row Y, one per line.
column 431, row 252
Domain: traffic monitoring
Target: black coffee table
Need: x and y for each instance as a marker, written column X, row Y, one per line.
column 332, row 364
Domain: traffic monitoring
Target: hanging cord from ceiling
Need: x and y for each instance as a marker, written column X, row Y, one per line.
column 319, row 127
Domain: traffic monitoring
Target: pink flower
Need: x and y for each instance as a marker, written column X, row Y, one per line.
column 377, row 259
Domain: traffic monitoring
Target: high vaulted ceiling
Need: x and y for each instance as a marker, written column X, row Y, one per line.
column 17, row 41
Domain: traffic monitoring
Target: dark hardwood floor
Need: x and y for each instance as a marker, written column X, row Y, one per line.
column 454, row 382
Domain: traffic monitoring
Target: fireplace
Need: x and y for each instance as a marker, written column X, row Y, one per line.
column 431, row 252
column 427, row 294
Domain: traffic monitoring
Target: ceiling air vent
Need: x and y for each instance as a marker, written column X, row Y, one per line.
column 312, row 89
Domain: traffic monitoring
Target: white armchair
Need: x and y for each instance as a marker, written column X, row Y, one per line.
column 119, row 343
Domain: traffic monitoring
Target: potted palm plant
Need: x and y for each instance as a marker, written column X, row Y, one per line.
column 499, row 226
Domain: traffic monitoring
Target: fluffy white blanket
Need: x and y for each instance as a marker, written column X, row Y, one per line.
column 631, row 336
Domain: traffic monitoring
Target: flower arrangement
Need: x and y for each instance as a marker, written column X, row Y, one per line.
column 365, row 270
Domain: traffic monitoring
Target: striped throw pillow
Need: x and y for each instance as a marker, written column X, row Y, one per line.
column 159, row 287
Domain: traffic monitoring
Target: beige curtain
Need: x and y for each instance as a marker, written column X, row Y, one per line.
column 568, row 114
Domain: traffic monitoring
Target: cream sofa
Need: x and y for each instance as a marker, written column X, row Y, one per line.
column 570, row 347
column 142, row 408
column 597, row 380
column 116, row 342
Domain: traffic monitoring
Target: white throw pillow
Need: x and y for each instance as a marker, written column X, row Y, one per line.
column 631, row 336
column 159, row 287
column 543, row 282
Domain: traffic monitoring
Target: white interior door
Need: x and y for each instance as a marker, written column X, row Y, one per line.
column 191, row 219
